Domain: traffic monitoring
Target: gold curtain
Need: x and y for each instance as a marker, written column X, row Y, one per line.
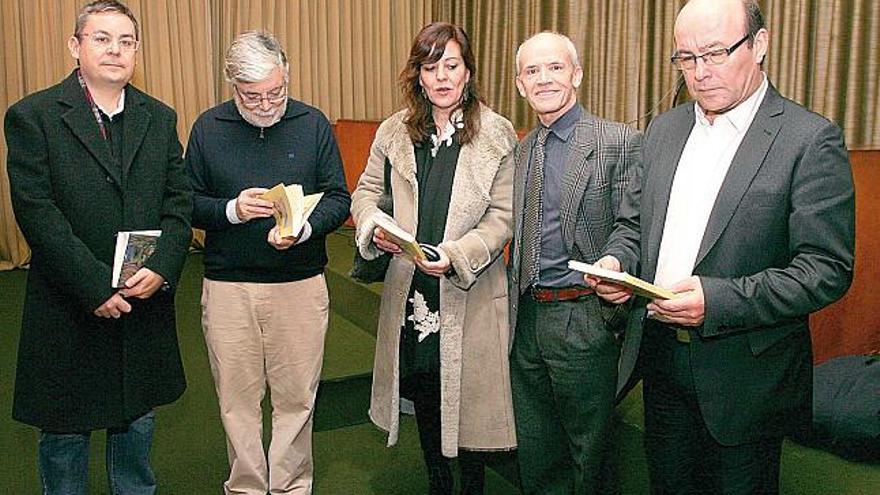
column 822, row 54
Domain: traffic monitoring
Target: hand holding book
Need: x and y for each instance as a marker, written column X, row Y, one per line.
column 598, row 274
column 291, row 207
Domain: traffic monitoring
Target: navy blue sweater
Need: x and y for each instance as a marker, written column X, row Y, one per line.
column 226, row 154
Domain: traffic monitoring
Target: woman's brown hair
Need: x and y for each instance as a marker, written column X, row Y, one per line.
column 428, row 48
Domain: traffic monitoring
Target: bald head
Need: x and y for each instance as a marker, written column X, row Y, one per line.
column 746, row 13
column 548, row 38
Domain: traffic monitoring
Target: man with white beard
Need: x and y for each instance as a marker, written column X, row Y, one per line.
column 264, row 298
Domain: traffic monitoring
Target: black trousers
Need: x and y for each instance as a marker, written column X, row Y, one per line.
column 423, row 389
column 683, row 457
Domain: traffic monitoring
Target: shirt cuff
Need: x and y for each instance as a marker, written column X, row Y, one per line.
column 306, row 233
column 231, row 215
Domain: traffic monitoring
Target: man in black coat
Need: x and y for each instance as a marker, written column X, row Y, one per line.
column 745, row 209
column 88, row 158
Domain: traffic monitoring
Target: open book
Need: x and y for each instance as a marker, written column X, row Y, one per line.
column 133, row 247
column 292, row 207
column 639, row 287
column 402, row 238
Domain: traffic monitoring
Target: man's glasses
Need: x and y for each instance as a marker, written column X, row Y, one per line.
column 103, row 41
column 688, row 61
column 253, row 100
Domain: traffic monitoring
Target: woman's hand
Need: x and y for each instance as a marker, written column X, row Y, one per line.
column 383, row 243
column 435, row 268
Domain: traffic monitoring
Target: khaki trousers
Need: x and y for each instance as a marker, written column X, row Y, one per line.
column 260, row 334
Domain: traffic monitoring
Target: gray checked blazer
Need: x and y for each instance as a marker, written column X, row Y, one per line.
column 603, row 157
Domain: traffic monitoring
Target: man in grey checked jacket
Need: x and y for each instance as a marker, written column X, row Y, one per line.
column 571, row 172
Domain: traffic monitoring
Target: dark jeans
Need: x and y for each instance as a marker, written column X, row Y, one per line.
column 64, row 460
column 564, row 376
column 683, row 458
column 424, row 390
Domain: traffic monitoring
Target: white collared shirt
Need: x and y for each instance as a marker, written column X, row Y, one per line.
column 120, row 106
column 707, row 156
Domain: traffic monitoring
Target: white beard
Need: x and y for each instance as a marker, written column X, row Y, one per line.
column 257, row 117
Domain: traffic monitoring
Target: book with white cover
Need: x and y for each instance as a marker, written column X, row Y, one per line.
column 639, row 287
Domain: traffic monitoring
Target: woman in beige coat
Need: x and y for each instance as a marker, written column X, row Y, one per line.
column 443, row 332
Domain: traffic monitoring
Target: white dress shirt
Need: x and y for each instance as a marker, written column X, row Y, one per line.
column 707, row 156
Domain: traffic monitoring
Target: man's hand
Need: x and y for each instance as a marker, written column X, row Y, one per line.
column 280, row 243
column 435, row 268
column 611, row 292
column 688, row 309
column 381, row 242
column 249, row 205
column 143, row 284
column 113, row 307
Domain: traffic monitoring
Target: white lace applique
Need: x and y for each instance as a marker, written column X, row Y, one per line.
column 456, row 121
column 424, row 320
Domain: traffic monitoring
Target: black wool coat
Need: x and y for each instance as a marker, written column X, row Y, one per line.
column 76, row 371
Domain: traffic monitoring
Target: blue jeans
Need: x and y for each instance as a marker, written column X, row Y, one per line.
column 64, row 460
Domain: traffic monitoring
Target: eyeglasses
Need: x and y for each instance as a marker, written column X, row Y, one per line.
column 103, row 41
column 253, row 100
column 688, row 61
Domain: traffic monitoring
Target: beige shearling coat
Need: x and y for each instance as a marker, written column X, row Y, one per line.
column 476, row 410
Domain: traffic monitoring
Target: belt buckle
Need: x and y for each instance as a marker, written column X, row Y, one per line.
column 682, row 336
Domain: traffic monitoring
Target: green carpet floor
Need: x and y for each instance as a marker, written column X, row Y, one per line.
column 350, row 455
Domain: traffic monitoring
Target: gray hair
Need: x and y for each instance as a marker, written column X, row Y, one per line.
column 252, row 56
column 103, row 7
column 569, row 46
column 754, row 19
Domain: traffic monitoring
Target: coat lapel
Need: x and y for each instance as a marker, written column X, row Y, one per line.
column 580, row 164
column 748, row 159
column 661, row 177
column 81, row 122
column 135, row 125
column 521, row 166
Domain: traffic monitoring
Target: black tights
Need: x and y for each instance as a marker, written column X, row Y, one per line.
column 424, row 390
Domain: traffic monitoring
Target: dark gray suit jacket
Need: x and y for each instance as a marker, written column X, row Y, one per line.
column 778, row 246
column 602, row 160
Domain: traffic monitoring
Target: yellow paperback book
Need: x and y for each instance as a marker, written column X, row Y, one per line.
column 639, row 287
column 402, row 238
column 292, row 207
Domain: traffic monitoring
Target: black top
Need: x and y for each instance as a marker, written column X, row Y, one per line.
column 434, row 176
column 114, row 129
column 226, row 154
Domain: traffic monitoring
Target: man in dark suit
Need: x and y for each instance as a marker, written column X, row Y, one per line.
column 746, row 210
column 88, row 158
column 571, row 173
